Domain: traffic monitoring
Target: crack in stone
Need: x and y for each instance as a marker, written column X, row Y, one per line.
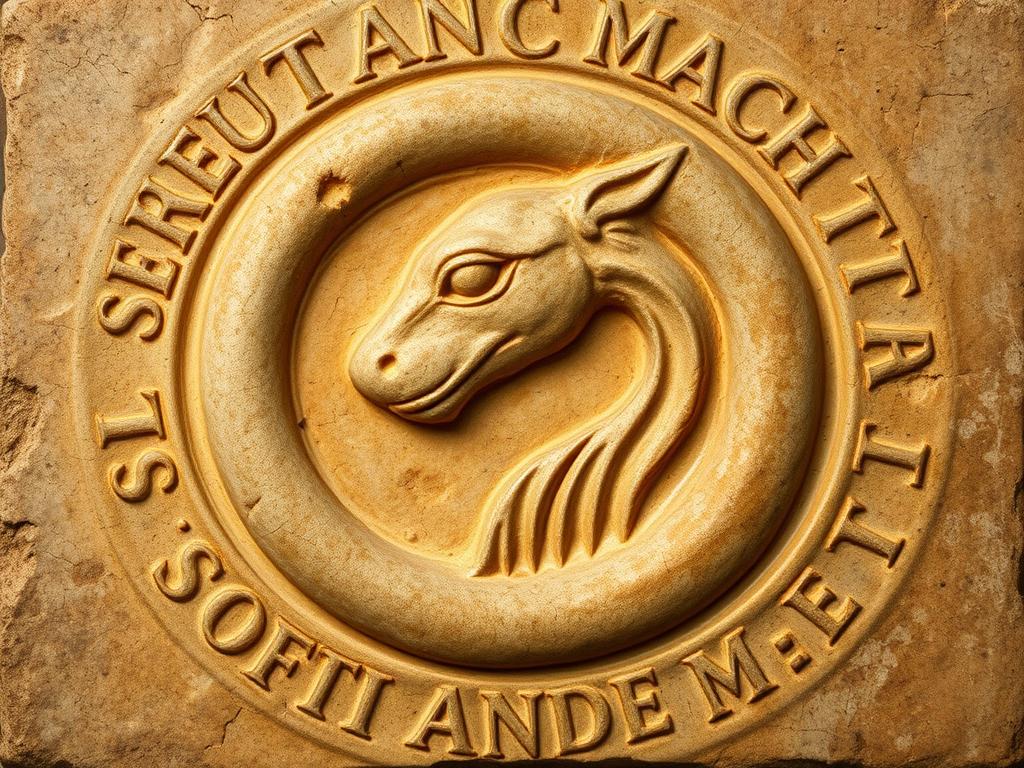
column 224, row 731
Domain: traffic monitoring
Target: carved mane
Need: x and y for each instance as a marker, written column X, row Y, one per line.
column 588, row 488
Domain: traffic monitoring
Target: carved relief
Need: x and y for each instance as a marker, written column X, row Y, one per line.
column 485, row 297
column 551, row 407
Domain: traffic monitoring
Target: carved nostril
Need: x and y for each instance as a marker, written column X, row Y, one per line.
column 385, row 362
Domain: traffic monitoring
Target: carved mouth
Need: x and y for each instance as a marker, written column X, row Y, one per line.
column 451, row 386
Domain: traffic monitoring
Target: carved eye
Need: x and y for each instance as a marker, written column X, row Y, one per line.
column 473, row 280
column 476, row 279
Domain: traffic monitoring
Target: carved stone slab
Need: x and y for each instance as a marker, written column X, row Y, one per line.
column 425, row 380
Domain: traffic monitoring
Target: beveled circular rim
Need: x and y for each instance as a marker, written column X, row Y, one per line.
column 584, row 610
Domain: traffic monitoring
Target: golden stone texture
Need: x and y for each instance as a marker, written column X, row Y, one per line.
column 430, row 380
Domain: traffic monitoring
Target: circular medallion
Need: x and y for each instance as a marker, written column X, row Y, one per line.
column 534, row 382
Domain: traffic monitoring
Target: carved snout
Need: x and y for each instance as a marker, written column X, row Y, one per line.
column 428, row 376
column 376, row 372
column 418, row 377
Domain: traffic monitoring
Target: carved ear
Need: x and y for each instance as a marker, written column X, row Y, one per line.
column 617, row 191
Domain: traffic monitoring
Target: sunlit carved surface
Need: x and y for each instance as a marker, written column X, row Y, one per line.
column 511, row 380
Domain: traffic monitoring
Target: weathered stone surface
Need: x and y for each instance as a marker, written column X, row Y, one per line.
column 94, row 668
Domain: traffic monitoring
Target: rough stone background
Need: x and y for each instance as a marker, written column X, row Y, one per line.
column 936, row 82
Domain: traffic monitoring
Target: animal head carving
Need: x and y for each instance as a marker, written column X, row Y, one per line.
column 509, row 278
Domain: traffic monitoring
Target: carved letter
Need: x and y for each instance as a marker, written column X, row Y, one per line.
column 868, row 270
column 498, row 710
column 647, row 39
column 188, row 558
column 373, row 682
column 153, row 272
column 199, row 169
column 358, row 723
column 707, row 53
column 914, row 458
column 897, row 362
column 710, row 675
column 846, row 529
column 116, row 428
column 815, row 610
column 211, row 113
column 508, row 31
column 374, row 24
column 118, row 316
column 870, row 207
column 169, row 204
column 291, row 53
column 742, row 87
column 140, row 486
column 443, row 716
column 274, row 656
column 468, row 34
column 634, row 706
column 247, row 635
column 570, row 737
column 795, row 138
column 326, row 679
